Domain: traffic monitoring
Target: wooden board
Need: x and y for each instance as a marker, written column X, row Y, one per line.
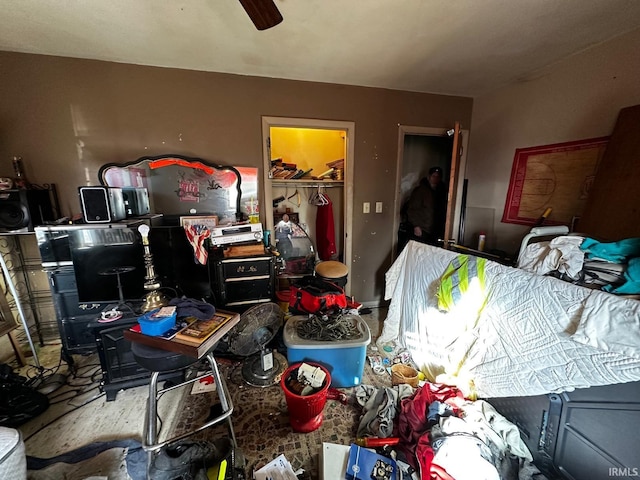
column 612, row 212
column 244, row 250
column 175, row 345
column 558, row 176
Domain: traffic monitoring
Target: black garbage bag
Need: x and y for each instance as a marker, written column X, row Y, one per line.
column 19, row 403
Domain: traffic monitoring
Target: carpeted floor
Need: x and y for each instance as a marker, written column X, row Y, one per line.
column 261, row 417
column 261, row 422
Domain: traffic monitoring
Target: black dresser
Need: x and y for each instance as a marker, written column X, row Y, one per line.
column 242, row 282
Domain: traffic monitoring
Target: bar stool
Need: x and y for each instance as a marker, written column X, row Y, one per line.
column 332, row 271
column 159, row 361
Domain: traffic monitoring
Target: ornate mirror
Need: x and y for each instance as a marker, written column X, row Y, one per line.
column 180, row 186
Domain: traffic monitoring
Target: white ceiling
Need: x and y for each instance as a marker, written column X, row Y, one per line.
column 459, row 47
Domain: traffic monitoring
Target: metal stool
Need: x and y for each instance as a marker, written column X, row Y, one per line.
column 159, row 361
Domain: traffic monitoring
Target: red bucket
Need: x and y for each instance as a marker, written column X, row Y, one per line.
column 305, row 412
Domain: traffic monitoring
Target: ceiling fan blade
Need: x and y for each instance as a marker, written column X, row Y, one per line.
column 263, row 13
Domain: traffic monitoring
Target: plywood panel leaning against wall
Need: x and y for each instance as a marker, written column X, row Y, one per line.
column 613, row 209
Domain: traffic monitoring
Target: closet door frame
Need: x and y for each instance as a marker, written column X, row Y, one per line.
column 349, row 127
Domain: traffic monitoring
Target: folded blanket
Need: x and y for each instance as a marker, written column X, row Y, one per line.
column 631, row 285
column 617, row 252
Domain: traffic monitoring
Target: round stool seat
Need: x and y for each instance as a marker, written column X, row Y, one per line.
column 158, row 360
column 333, row 271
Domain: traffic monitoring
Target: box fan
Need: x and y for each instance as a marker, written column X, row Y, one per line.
column 257, row 327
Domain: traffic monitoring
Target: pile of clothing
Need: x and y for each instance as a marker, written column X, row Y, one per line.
column 443, row 435
column 613, row 267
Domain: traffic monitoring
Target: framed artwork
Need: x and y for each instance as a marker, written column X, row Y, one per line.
column 556, row 176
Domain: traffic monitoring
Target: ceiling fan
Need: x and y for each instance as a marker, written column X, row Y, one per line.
column 263, row 13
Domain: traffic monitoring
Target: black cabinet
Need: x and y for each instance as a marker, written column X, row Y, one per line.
column 119, row 368
column 72, row 315
column 241, row 282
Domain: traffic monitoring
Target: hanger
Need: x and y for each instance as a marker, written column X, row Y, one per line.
column 313, row 197
column 319, row 199
column 297, row 195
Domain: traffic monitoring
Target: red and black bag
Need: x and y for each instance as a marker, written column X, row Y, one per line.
column 311, row 294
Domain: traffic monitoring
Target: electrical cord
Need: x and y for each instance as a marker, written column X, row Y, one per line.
column 325, row 328
column 78, row 388
column 41, row 373
column 52, row 421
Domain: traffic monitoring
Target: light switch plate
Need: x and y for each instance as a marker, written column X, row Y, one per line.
column 378, row 207
column 366, row 207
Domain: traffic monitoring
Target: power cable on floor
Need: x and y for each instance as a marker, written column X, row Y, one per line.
column 51, row 422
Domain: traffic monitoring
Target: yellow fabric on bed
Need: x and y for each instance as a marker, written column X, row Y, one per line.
column 457, row 278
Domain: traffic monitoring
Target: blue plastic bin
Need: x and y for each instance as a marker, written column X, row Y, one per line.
column 345, row 359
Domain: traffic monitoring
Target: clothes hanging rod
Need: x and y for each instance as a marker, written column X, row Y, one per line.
column 307, row 185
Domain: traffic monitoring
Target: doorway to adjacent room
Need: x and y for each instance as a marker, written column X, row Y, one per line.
column 419, row 149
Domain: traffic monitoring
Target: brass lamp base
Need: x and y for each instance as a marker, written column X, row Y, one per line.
column 153, row 300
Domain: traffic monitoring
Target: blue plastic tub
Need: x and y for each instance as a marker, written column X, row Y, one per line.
column 345, row 359
column 154, row 326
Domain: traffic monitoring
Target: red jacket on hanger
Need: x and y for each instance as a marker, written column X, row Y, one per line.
column 325, row 231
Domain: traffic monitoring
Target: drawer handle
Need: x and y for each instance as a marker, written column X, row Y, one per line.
column 243, row 279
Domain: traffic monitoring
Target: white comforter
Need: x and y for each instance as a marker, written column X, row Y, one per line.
column 534, row 335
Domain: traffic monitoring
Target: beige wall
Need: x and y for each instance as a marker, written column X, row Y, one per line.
column 66, row 117
column 576, row 99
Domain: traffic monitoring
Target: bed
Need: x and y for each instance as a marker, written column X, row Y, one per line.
column 559, row 360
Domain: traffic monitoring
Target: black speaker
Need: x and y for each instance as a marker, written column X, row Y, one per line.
column 102, row 204
column 22, row 210
column 136, row 201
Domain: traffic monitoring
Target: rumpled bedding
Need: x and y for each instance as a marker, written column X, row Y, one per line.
column 562, row 254
column 534, row 335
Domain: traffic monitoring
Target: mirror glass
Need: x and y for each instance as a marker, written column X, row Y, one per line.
column 293, row 244
column 180, row 185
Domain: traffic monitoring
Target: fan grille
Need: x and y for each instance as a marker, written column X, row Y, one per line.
column 257, row 327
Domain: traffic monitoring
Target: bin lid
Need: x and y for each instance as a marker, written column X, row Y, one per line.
column 293, row 340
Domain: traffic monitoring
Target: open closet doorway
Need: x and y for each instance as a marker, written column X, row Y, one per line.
column 420, row 149
column 306, row 163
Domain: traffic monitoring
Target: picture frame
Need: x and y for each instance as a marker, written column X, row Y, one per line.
column 558, row 175
column 209, row 221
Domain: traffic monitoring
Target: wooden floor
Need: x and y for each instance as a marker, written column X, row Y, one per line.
column 79, row 413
